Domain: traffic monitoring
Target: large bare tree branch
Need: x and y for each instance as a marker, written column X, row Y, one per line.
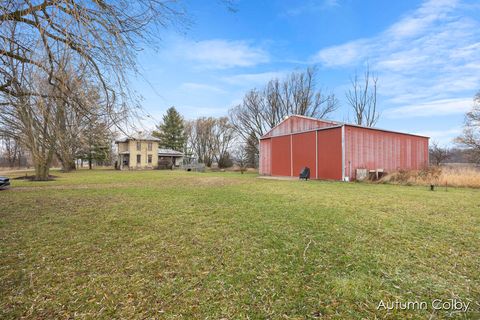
column 362, row 98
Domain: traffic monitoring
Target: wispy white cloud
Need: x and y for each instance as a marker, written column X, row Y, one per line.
column 412, row 34
column 433, row 108
column 220, row 53
column 346, row 54
column 253, row 79
column 428, row 57
column 422, row 20
column 440, row 133
column 189, row 86
column 192, row 112
column 443, row 137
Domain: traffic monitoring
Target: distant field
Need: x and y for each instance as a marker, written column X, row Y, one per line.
column 178, row 245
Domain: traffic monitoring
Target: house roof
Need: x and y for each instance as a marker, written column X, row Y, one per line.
column 169, row 152
column 138, row 136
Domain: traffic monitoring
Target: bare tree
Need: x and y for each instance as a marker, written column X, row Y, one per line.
column 241, row 158
column 51, row 123
column 362, row 98
column 263, row 109
column 101, row 35
column 83, row 134
column 253, row 114
column 299, row 95
column 223, row 136
column 201, row 139
column 438, row 155
column 30, row 119
column 11, row 150
column 470, row 139
column 74, row 116
column 97, row 38
column 209, row 139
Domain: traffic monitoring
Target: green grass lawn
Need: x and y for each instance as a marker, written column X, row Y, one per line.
column 180, row 245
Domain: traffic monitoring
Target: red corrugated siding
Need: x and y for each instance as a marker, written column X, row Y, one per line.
column 281, row 165
column 265, row 157
column 372, row 149
column 364, row 148
column 297, row 124
column 303, row 147
column 330, row 154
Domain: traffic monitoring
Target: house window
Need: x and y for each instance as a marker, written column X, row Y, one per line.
column 150, row 159
column 149, row 146
column 139, row 146
column 139, row 159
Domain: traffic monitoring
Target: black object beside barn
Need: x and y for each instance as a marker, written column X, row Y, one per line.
column 305, row 174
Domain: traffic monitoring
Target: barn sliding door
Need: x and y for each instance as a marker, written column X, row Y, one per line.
column 281, row 156
column 303, row 151
column 329, row 155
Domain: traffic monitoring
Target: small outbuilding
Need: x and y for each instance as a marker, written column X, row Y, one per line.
column 338, row 151
column 168, row 158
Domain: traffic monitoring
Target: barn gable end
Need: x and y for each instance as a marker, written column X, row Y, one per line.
column 296, row 123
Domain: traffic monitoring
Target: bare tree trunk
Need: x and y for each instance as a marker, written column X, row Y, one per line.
column 70, row 166
column 68, row 163
column 42, row 172
column 42, row 163
column 19, row 158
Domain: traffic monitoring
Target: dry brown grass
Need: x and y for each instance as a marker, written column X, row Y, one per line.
column 440, row 176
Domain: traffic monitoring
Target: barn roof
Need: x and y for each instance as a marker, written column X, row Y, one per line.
column 385, row 130
column 313, row 124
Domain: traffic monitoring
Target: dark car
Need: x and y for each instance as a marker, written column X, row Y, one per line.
column 4, row 182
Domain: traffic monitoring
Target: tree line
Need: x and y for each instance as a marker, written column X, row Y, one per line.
column 207, row 139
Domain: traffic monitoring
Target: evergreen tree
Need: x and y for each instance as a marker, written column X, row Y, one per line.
column 96, row 142
column 171, row 131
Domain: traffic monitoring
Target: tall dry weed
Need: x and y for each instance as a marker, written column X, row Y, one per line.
column 440, row 176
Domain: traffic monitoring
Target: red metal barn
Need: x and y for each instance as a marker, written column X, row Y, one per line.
column 333, row 150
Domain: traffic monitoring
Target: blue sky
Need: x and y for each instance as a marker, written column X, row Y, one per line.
column 426, row 55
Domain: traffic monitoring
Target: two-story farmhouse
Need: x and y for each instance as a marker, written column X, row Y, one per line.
column 141, row 151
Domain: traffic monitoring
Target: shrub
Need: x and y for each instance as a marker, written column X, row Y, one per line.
column 225, row 161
